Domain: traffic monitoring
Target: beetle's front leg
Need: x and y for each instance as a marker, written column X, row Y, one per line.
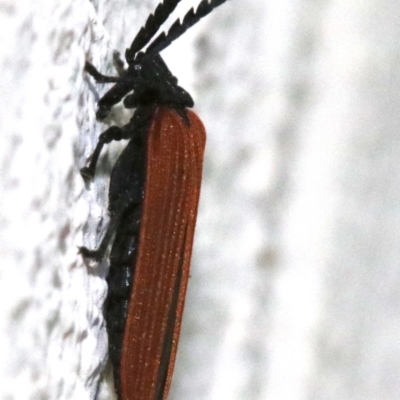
column 114, row 95
column 98, row 77
column 119, row 64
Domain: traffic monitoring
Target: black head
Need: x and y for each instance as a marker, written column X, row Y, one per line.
column 147, row 75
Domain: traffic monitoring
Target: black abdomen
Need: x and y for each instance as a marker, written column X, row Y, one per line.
column 119, row 279
column 125, row 203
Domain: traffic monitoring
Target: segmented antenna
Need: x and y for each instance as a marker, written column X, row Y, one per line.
column 150, row 28
column 178, row 28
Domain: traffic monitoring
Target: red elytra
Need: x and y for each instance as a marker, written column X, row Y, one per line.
column 174, row 154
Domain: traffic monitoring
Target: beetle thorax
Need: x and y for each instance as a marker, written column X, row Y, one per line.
column 153, row 83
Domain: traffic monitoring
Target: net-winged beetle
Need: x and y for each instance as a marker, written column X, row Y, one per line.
column 153, row 199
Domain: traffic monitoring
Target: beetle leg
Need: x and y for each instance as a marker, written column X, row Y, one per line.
column 135, row 127
column 112, row 133
column 119, row 64
column 99, row 253
column 98, row 77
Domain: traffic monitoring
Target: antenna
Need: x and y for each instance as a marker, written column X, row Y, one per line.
column 178, row 28
column 150, row 28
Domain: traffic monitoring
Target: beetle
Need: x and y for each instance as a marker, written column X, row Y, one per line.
column 153, row 199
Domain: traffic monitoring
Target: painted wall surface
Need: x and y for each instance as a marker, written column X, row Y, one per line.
column 294, row 284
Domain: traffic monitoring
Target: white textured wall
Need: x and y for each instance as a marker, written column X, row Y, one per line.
column 294, row 289
column 52, row 337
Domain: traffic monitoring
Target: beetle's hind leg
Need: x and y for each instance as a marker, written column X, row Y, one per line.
column 99, row 253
